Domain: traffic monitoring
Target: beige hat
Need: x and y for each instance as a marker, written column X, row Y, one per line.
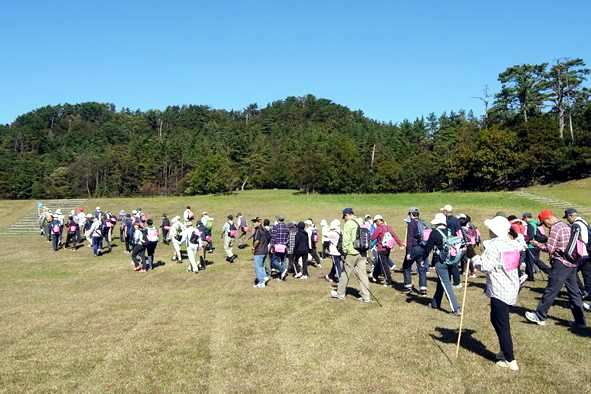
column 439, row 219
column 335, row 224
column 447, row 208
column 499, row 226
column 378, row 217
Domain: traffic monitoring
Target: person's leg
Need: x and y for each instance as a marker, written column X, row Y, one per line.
column 177, row 251
column 423, row 268
column 556, row 280
column 337, row 267
column 260, row 268
column 228, row 248
column 344, row 278
column 407, row 273
column 383, row 259
column 360, row 267
column 191, row 251
column 585, row 269
column 574, row 297
column 377, row 268
column 304, row 258
column 499, row 312
column 444, row 273
column 455, row 273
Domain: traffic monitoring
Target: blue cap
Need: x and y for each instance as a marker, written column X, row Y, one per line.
column 347, row 211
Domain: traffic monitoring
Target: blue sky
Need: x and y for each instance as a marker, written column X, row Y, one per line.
column 391, row 59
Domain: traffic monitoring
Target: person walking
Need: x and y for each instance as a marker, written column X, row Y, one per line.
column 500, row 262
column 324, row 230
column 165, row 227
column 56, row 232
column 243, row 229
column 138, row 253
column 333, row 234
column 229, row 233
column 563, row 273
column 437, row 243
column 580, row 241
column 301, row 249
column 152, row 238
column 355, row 260
column 312, row 242
column 72, row 234
column 292, row 263
column 385, row 238
column 96, row 235
column 179, row 238
column 193, row 240
column 279, row 241
column 260, row 250
column 416, row 231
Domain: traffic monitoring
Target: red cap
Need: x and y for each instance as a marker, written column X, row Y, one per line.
column 545, row 214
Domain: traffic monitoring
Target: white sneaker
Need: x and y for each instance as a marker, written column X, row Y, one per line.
column 304, row 277
column 259, row 286
column 522, row 279
column 298, row 275
column 459, row 286
column 334, row 294
column 283, row 274
column 511, row 365
column 587, row 306
column 533, row 317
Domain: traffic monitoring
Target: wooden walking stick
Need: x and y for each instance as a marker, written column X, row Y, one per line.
column 470, row 253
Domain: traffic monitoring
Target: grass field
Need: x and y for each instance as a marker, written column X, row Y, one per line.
column 74, row 323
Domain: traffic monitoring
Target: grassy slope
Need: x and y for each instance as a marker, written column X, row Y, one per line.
column 576, row 192
column 76, row 323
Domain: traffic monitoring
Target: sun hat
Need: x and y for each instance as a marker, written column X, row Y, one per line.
column 98, row 208
column 447, row 208
column 378, row 217
column 280, row 218
column 308, row 222
column 499, row 225
column 335, row 224
column 439, row 219
column 323, row 223
column 461, row 216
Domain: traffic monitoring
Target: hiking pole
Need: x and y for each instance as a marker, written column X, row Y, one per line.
column 463, row 310
column 366, row 287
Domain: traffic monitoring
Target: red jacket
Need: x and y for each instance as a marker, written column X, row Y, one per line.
column 378, row 235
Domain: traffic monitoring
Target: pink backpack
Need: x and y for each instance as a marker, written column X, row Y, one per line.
column 511, row 260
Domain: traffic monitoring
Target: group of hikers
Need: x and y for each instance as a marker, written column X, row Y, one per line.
column 361, row 248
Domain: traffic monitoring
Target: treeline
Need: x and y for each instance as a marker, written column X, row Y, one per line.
column 537, row 129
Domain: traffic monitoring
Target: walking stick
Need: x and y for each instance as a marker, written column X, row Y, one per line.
column 463, row 304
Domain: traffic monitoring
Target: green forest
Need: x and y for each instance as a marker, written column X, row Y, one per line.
column 535, row 129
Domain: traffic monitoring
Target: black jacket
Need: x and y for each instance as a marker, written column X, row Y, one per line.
column 435, row 241
column 301, row 242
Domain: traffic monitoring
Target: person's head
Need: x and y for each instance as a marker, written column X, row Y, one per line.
column 348, row 213
column 136, row 225
column 378, row 220
column 367, row 218
column 498, row 227
column 128, row 215
column 256, row 222
column 280, row 219
column 204, row 213
column 301, row 226
column 511, row 218
column 547, row 218
column 439, row 220
column 308, row 223
column 527, row 216
column 188, row 207
column 230, row 217
column 447, row 210
column 164, row 215
column 414, row 212
column 266, row 222
column 239, row 214
column 462, row 219
column 571, row 214
column 335, row 225
column 323, row 223
column 150, row 222
column 501, row 214
column 98, row 209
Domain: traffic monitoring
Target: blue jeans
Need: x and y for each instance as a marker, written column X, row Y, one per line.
column 422, row 268
column 259, row 267
column 278, row 261
column 97, row 245
column 444, row 286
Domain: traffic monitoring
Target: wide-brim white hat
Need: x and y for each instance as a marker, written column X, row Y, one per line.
column 499, row 226
column 439, row 219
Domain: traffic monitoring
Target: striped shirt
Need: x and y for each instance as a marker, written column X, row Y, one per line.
column 500, row 283
column 279, row 234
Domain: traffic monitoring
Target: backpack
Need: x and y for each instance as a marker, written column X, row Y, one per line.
column 588, row 234
column 450, row 252
column 55, row 228
column 152, row 234
column 388, row 240
column 194, row 239
column 233, row 232
column 362, row 238
column 314, row 236
column 73, row 228
column 423, row 233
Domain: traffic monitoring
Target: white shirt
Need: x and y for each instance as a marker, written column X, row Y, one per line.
column 333, row 238
column 500, row 284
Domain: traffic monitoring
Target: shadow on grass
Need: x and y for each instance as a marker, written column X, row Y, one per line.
column 423, row 300
column 157, row 264
column 468, row 342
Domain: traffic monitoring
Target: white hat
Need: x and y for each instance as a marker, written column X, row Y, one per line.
column 499, row 226
column 378, row 217
column 462, row 216
column 89, row 216
column 439, row 219
column 323, row 223
column 447, row 208
column 98, row 208
column 133, row 212
column 204, row 213
column 335, row 224
column 308, row 222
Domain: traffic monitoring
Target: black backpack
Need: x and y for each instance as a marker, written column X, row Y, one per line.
column 194, row 239
column 362, row 239
column 588, row 234
column 340, row 245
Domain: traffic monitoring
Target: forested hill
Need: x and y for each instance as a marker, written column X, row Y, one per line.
column 305, row 143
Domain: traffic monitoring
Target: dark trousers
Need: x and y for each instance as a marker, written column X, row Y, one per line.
column 304, row 257
column 499, row 317
column 455, row 274
column 55, row 241
column 381, row 266
column 315, row 256
column 72, row 240
column 562, row 275
column 150, row 249
column 444, row 286
column 138, row 257
column 129, row 242
column 422, row 268
column 584, row 268
column 337, row 268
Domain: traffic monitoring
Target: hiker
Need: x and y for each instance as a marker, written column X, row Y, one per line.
column 243, row 227
column 417, row 234
column 177, row 230
column 192, row 238
column 499, row 262
column 324, row 229
column 188, row 215
column 471, row 236
column 229, row 233
column 128, row 225
column 563, row 273
column 279, row 240
column 55, row 229
column 580, row 240
column 165, row 227
column 535, row 231
column 519, row 232
column 105, row 230
column 87, row 226
column 96, row 236
column 333, row 235
column 260, row 249
column 72, row 234
column 138, row 256
column 43, row 221
column 292, row 264
column 355, row 260
column 385, row 238
column 207, row 221
column 97, row 213
column 442, row 261
column 312, row 242
column 152, row 238
column 301, row 249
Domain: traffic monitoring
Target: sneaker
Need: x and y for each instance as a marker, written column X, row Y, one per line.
column 423, row 292
column 534, row 318
column 326, row 278
column 506, row 364
column 407, row 290
column 587, row 306
column 259, row 286
column 298, row 275
column 334, row 294
column 304, row 277
column 458, row 313
column 458, row 286
column 266, row 280
column 576, row 325
column 283, row 274
column 371, row 278
column 522, row 279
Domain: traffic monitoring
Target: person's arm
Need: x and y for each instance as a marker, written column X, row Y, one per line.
column 396, row 239
column 431, row 242
column 377, row 233
column 490, row 259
